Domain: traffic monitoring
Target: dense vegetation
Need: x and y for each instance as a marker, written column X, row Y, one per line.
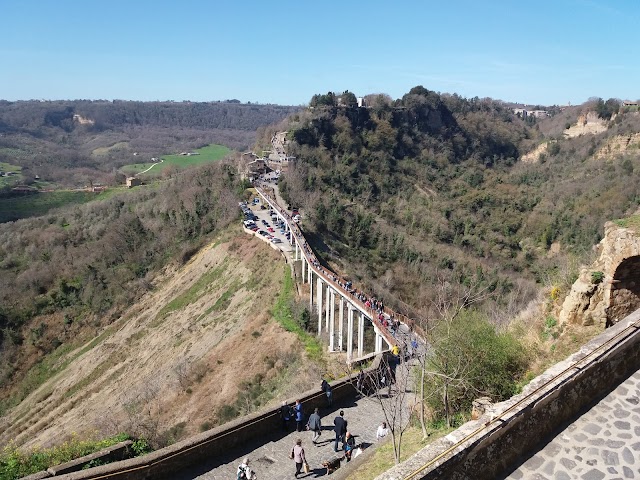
column 69, row 274
column 407, row 191
column 470, row 359
column 15, row 463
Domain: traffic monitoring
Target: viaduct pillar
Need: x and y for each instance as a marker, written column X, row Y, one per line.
column 320, row 288
column 349, row 332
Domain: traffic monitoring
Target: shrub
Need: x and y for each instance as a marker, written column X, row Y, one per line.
column 15, row 463
column 597, row 277
column 471, row 359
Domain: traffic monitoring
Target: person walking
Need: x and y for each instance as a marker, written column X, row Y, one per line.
column 299, row 414
column 315, row 425
column 244, row 471
column 297, row 455
column 326, row 388
column 349, row 446
column 340, row 427
column 382, row 431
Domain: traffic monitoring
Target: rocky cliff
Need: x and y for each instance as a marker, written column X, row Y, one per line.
column 609, row 289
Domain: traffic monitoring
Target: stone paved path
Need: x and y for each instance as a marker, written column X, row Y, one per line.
column 271, row 460
column 604, row 443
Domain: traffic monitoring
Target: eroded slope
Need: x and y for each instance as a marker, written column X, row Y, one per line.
column 170, row 364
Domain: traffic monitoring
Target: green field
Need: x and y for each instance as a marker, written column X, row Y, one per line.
column 36, row 204
column 210, row 153
column 7, row 167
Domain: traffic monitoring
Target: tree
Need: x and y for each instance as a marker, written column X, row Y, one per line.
column 467, row 358
column 348, row 99
column 439, row 369
column 388, row 385
column 606, row 109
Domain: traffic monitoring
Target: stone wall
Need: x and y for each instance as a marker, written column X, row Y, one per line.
column 207, row 446
column 492, row 446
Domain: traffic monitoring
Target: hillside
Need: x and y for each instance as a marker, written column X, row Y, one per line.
column 408, row 197
column 181, row 359
column 431, row 188
column 77, row 142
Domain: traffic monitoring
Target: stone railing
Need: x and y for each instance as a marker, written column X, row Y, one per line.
column 491, row 445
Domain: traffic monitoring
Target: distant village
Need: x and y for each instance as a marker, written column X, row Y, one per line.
column 275, row 159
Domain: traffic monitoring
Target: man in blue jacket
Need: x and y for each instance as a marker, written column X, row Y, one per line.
column 299, row 414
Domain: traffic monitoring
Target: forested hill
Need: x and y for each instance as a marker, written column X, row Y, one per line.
column 429, row 187
column 72, row 143
column 33, row 115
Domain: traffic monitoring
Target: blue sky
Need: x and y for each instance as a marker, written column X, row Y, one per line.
column 530, row 51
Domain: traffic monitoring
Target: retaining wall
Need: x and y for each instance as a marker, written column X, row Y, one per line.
column 206, row 446
column 493, row 445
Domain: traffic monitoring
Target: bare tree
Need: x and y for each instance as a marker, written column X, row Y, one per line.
column 438, row 362
column 388, row 385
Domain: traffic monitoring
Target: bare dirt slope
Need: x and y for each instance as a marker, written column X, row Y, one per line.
column 173, row 360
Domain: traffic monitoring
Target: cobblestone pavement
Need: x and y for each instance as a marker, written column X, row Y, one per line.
column 604, row 443
column 271, row 459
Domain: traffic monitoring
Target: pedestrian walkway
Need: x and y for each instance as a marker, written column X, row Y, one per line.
column 271, row 460
column 604, row 443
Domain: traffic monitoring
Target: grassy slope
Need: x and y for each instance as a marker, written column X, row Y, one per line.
column 210, row 153
column 36, row 204
column 198, row 313
column 7, row 167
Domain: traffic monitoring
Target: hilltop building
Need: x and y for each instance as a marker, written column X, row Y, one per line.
column 133, row 182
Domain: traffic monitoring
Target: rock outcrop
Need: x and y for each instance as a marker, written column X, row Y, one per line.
column 619, row 145
column 534, row 155
column 609, row 289
column 588, row 123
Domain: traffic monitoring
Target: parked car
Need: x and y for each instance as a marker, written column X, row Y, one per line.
column 276, row 240
column 270, row 229
column 263, row 233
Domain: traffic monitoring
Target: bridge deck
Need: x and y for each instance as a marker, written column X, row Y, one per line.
column 328, row 276
column 603, row 443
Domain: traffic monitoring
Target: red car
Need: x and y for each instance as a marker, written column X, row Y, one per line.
column 271, row 230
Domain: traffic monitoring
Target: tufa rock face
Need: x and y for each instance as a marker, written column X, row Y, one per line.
column 610, row 289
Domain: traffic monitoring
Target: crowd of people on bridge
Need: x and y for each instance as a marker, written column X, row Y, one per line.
column 385, row 320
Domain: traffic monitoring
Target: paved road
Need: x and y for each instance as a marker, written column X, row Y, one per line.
column 604, row 443
column 271, row 461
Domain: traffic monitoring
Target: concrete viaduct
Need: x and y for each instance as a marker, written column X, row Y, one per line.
column 325, row 287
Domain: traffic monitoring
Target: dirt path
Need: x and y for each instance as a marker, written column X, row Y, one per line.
column 145, row 171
